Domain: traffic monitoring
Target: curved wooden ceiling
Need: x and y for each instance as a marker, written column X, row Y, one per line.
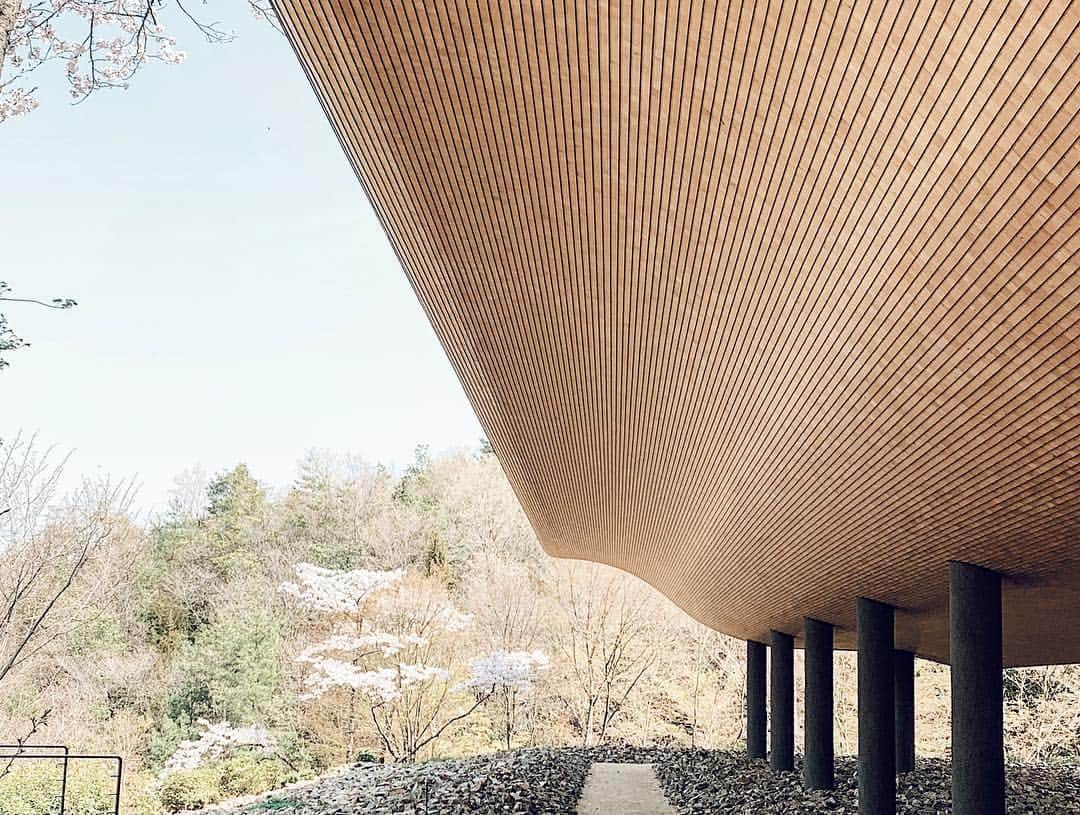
column 772, row 304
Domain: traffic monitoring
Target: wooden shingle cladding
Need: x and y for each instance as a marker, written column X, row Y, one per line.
column 773, row 305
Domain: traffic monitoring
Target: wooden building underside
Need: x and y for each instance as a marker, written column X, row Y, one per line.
column 773, row 305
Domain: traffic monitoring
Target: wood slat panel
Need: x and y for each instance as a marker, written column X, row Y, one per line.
column 772, row 304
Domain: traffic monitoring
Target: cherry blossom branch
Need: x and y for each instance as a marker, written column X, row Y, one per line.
column 35, row 33
column 60, row 304
column 37, row 721
column 208, row 30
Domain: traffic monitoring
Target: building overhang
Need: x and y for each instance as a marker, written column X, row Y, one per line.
column 771, row 307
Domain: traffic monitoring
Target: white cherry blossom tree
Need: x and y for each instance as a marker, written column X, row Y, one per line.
column 334, row 591
column 98, row 43
column 340, row 602
column 216, row 741
column 504, row 677
column 382, row 650
column 390, row 647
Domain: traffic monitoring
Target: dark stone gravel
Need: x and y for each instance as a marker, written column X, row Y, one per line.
column 528, row 782
column 696, row 782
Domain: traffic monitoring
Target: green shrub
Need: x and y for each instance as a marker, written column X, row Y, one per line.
column 249, row 774
column 30, row 790
column 140, row 794
column 244, row 774
column 33, row 788
column 190, row 789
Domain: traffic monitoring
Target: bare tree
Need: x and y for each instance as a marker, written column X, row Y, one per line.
column 503, row 596
column 703, row 642
column 46, row 543
column 1042, row 712
column 603, row 636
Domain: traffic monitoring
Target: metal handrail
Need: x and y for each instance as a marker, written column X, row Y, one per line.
column 22, row 748
column 65, row 759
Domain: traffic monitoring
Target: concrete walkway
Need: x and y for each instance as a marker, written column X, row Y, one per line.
column 622, row 789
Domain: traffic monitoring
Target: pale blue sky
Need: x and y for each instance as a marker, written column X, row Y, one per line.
column 238, row 300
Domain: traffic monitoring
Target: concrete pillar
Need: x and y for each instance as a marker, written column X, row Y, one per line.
column 877, row 763
column 818, row 705
column 782, row 698
column 755, row 699
column 975, row 643
column 904, row 685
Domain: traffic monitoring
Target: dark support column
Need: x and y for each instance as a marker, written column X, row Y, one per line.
column 978, row 763
column 782, row 694
column 904, row 684
column 755, row 699
column 818, row 705
column 877, row 764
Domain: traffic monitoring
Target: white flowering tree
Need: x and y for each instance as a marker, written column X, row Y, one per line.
column 336, row 592
column 504, row 677
column 388, row 647
column 99, row 43
column 338, row 604
column 217, row 741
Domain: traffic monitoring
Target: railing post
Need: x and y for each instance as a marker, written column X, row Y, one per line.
column 63, row 780
column 119, row 780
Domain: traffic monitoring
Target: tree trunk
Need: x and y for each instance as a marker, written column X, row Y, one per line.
column 350, row 725
column 509, row 717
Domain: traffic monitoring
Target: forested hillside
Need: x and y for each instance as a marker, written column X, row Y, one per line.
column 255, row 634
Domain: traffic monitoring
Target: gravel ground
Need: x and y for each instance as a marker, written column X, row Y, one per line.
column 696, row 782
column 530, row 781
